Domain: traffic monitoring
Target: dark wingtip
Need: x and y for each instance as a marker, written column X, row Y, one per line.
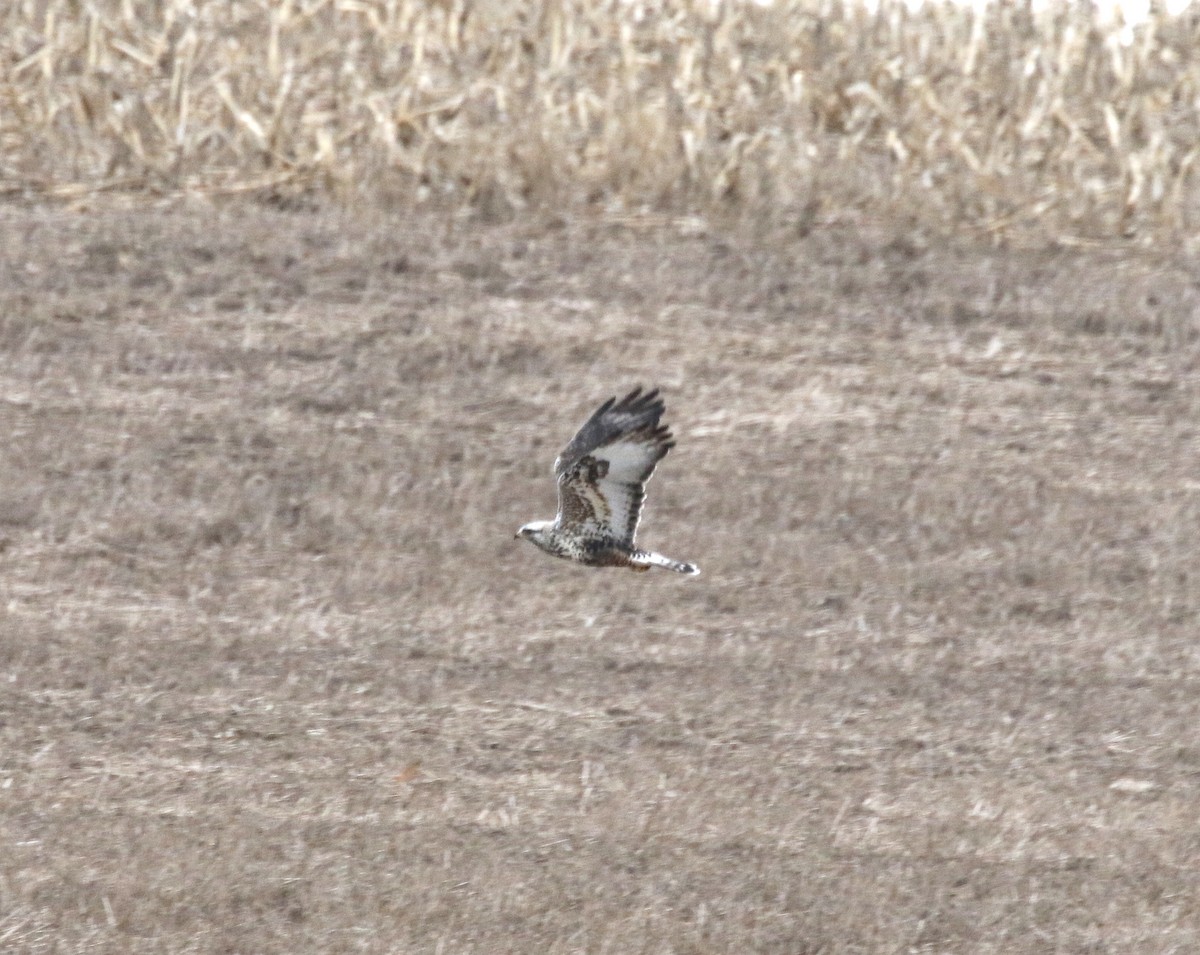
column 662, row 435
column 639, row 402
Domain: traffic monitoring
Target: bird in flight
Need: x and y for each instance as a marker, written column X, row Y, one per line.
column 602, row 475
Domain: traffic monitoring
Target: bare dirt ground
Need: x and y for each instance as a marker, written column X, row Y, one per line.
column 276, row 678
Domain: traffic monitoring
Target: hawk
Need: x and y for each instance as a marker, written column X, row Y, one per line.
column 602, row 475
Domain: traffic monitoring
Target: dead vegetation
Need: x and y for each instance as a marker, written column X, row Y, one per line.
column 274, row 676
column 1050, row 124
column 277, row 679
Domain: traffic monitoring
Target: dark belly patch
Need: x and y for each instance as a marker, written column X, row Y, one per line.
column 602, row 553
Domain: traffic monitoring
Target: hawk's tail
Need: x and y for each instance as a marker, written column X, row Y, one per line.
column 644, row 559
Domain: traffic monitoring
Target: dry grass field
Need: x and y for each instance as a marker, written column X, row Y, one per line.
column 298, row 301
column 276, row 678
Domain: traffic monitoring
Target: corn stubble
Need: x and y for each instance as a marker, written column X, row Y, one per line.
column 1053, row 123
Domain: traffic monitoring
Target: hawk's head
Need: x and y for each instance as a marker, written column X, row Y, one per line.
column 535, row 530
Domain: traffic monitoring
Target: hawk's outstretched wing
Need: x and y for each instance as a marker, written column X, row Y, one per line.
column 602, row 473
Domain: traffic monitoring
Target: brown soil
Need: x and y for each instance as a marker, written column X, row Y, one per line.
column 276, row 678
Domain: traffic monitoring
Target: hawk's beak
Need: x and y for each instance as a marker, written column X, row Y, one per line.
column 516, row 535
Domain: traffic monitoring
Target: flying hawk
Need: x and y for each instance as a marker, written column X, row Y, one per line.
column 602, row 477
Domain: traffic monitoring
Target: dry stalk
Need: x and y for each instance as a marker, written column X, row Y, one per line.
column 1001, row 119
